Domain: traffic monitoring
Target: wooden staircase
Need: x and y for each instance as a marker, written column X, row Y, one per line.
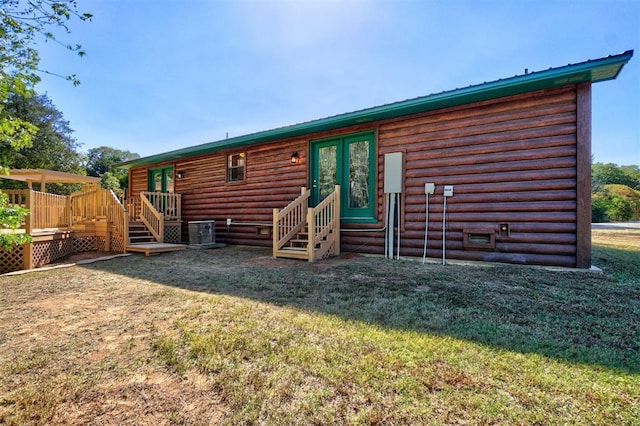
column 138, row 233
column 298, row 246
column 147, row 234
column 303, row 232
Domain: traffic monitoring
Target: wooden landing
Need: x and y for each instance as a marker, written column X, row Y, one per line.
column 154, row 248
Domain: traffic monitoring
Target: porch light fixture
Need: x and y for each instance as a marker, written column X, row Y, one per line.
column 180, row 174
column 295, row 158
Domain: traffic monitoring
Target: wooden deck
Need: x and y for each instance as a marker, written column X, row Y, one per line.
column 155, row 248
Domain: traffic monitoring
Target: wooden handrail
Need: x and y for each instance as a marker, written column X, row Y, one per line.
column 117, row 215
column 167, row 203
column 324, row 219
column 290, row 220
column 152, row 218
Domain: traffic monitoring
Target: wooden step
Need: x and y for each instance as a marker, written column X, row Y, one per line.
column 154, row 248
column 141, row 239
column 298, row 243
column 139, row 234
column 292, row 252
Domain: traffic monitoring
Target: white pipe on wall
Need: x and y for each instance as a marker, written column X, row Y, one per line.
column 426, row 227
column 392, row 221
column 386, row 225
column 444, row 248
column 399, row 223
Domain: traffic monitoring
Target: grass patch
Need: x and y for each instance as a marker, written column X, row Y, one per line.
column 233, row 336
column 277, row 365
column 370, row 342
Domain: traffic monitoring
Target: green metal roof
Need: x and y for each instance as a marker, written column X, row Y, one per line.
column 594, row 70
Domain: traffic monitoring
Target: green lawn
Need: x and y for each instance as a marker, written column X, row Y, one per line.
column 371, row 340
column 363, row 340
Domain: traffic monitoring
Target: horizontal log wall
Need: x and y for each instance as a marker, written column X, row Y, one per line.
column 271, row 181
column 511, row 160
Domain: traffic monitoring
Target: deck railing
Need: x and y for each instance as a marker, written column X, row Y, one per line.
column 290, row 220
column 133, row 208
column 152, row 218
column 324, row 227
column 167, row 203
column 45, row 210
column 17, row 197
column 58, row 211
column 117, row 215
column 48, row 210
column 84, row 207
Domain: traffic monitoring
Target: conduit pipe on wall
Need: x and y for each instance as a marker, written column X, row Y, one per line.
column 447, row 192
column 393, row 182
column 399, row 224
column 429, row 189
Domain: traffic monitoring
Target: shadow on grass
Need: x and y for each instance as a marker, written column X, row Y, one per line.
column 574, row 316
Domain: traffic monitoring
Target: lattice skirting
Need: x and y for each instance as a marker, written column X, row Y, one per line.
column 85, row 244
column 11, row 260
column 45, row 252
column 48, row 251
column 117, row 242
column 172, row 233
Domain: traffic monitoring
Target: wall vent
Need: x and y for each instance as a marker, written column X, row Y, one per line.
column 479, row 239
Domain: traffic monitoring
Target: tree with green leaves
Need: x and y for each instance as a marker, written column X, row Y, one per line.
column 53, row 145
column 606, row 174
column 22, row 24
column 101, row 160
column 615, row 192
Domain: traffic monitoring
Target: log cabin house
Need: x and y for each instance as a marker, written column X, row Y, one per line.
column 499, row 171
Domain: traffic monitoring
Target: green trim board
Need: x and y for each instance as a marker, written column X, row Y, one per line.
column 596, row 70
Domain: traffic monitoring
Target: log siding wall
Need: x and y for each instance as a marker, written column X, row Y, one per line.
column 512, row 160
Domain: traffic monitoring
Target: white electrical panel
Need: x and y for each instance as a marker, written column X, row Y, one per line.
column 448, row 191
column 429, row 188
column 393, row 173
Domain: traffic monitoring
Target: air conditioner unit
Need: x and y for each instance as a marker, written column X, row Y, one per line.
column 202, row 234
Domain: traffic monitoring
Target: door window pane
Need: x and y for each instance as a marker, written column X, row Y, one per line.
column 157, row 181
column 327, row 170
column 359, row 174
column 169, row 179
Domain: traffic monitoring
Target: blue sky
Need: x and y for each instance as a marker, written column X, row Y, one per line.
column 162, row 75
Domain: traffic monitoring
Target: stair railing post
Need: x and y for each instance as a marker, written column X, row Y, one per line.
column 336, row 218
column 311, row 223
column 275, row 232
column 28, row 221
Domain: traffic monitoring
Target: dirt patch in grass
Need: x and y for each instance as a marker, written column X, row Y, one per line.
column 75, row 348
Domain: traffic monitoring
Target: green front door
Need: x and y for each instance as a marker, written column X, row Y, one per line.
column 347, row 161
column 161, row 179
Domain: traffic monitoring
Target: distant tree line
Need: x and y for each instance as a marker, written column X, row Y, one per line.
column 615, row 192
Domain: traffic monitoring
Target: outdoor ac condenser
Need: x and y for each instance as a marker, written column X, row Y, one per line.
column 202, row 233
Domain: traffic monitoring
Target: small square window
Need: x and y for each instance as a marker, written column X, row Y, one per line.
column 235, row 167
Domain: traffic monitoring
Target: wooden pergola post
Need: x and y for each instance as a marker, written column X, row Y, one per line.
column 27, row 249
